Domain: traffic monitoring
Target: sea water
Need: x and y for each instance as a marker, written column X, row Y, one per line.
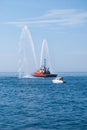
column 38, row 104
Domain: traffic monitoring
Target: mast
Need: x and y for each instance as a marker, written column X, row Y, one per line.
column 45, row 63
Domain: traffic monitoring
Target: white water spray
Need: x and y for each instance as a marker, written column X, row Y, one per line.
column 45, row 54
column 27, row 55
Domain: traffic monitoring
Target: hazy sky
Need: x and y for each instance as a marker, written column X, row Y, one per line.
column 63, row 23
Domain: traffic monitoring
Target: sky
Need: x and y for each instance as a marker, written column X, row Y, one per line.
column 63, row 23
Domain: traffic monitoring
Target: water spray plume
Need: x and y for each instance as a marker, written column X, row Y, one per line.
column 45, row 54
column 27, row 54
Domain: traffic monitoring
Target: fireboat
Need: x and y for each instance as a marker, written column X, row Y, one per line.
column 44, row 72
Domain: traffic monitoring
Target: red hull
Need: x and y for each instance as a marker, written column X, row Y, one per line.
column 40, row 74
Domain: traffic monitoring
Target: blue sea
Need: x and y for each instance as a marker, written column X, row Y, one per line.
column 38, row 104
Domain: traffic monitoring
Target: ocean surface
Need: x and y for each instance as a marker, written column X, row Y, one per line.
column 38, row 104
